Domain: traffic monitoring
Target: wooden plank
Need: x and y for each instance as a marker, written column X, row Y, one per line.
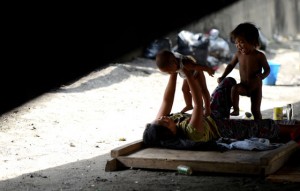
column 217, row 167
column 126, row 149
column 112, row 165
column 283, row 178
column 282, row 151
column 233, row 161
column 286, row 174
column 134, row 155
column 274, row 160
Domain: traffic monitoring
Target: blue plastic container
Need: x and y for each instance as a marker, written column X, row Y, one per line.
column 272, row 77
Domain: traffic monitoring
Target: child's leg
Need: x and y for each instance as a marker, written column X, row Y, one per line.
column 235, row 98
column 205, row 93
column 187, row 97
column 236, row 91
column 256, row 103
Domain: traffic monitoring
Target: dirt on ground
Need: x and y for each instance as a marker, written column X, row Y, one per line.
column 62, row 139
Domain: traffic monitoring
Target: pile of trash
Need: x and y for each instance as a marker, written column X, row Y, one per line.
column 208, row 49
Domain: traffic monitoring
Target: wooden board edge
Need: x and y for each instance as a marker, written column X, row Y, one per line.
column 212, row 167
column 284, row 178
column 286, row 174
column 282, row 151
column 273, row 161
column 113, row 165
column 126, row 149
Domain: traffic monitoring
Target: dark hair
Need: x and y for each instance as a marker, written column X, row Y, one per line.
column 154, row 134
column 248, row 31
column 163, row 58
column 160, row 136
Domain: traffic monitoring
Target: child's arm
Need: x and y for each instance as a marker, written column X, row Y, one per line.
column 229, row 68
column 207, row 69
column 265, row 66
column 168, row 99
column 205, row 93
column 197, row 113
column 191, row 64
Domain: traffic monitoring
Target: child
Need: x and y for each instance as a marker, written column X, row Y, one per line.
column 253, row 68
column 173, row 62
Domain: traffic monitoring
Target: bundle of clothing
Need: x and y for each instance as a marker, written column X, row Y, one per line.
column 254, row 143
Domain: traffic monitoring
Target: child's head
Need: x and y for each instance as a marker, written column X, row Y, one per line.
column 247, row 31
column 166, row 61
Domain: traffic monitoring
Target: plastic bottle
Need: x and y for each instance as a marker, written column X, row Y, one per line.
column 289, row 111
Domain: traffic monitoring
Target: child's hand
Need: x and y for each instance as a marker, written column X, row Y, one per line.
column 210, row 71
column 220, row 79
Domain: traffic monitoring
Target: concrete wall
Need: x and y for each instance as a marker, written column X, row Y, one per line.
column 273, row 17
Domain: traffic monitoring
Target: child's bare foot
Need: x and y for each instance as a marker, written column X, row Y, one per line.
column 186, row 108
column 235, row 113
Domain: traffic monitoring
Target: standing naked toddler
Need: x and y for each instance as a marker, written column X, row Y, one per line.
column 253, row 68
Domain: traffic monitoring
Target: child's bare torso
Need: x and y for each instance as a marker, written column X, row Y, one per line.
column 249, row 67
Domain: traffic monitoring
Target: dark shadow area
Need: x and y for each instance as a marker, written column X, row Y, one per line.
column 49, row 45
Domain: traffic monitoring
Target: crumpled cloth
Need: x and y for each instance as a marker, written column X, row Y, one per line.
column 250, row 144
